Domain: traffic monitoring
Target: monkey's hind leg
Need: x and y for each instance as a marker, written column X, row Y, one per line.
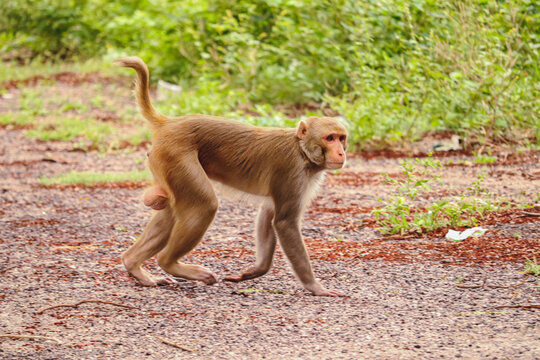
column 153, row 239
column 195, row 205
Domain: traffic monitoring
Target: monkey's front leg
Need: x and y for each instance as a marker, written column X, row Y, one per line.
column 266, row 245
column 292, row 244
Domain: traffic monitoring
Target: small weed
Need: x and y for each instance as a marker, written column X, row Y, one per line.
column 75, row 106
column 395, row 214
column 89, row 178
column 17, row 119
column 484, row 159
column 32, row 102
column 532, row 267
column 398, row 215
column 97, row 102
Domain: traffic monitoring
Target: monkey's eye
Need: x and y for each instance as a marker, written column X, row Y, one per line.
column 330, row 138
column 342, row 138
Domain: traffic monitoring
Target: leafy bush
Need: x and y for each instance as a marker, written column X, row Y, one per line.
column 394, row 68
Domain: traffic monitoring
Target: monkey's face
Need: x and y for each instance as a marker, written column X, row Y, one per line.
column 335, row 145
column 324, row 141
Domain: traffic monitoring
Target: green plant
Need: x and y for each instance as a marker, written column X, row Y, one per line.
column 532, row 267
column 398, row 214
column 74, row 106
column 394, row 69
column 31, row 102
column 17, row 119
column 395, row 214
column 484, row 159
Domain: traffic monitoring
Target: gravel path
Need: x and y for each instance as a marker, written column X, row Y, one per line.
column 409, row 298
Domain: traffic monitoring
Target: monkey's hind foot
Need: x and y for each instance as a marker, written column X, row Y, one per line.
column 191, row 272
column 144, row 277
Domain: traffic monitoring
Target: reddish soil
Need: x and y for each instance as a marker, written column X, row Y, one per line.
column 410, row 296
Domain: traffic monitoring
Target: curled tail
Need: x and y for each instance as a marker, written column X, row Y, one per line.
column 142, row 90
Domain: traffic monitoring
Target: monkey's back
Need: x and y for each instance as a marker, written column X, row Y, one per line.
column 230, row 152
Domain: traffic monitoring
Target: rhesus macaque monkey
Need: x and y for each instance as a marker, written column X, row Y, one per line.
column 282, row 166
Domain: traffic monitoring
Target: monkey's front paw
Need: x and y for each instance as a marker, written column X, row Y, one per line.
column 234, row 278
column 250, row 273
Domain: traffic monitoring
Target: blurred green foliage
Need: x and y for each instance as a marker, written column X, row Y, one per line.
column 393, row 68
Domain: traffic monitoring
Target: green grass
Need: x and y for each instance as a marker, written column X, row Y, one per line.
column 90, row 178
column 17, row 119
column 532, row 267
column 37, row 67
column 31, row 101
column 394, row 69
column 485, row 159
column 71, row 128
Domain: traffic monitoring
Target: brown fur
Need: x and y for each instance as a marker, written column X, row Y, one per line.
column 279, row 164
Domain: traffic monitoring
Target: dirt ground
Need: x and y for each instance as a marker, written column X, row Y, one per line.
column 409, row 297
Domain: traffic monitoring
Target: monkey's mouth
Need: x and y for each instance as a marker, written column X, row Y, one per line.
column 335, row 164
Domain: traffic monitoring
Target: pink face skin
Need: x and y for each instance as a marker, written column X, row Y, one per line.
column 335, row 154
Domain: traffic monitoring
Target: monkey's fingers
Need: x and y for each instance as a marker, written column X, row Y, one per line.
column 251, row 273
column 234, row 278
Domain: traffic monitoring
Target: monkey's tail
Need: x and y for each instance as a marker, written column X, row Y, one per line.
column 142, row 90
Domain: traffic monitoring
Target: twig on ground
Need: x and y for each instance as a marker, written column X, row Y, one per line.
column 472, row 286
column 511, row 285
column 492, row 286
column 83, row 302
column 14, row 336
column 401, row 237
column 528, row 213
column 169, row 342
column 526, row 306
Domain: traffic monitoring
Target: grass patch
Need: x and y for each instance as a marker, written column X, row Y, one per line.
column 17, row 119
column 532, row 267
column 89, row 178
column 70, row 128
column 485, row 159
column 37, row 67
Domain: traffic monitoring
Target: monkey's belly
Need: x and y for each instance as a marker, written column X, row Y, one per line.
column 236, row 185
column 232, row 193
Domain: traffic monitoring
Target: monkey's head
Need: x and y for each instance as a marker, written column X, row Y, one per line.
column 324, row 141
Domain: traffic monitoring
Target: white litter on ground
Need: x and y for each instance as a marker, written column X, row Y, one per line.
column 462, row 235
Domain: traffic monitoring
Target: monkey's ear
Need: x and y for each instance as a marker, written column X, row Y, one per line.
column 301, row 132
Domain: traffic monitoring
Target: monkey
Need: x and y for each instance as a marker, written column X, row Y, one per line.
column 281, row 166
